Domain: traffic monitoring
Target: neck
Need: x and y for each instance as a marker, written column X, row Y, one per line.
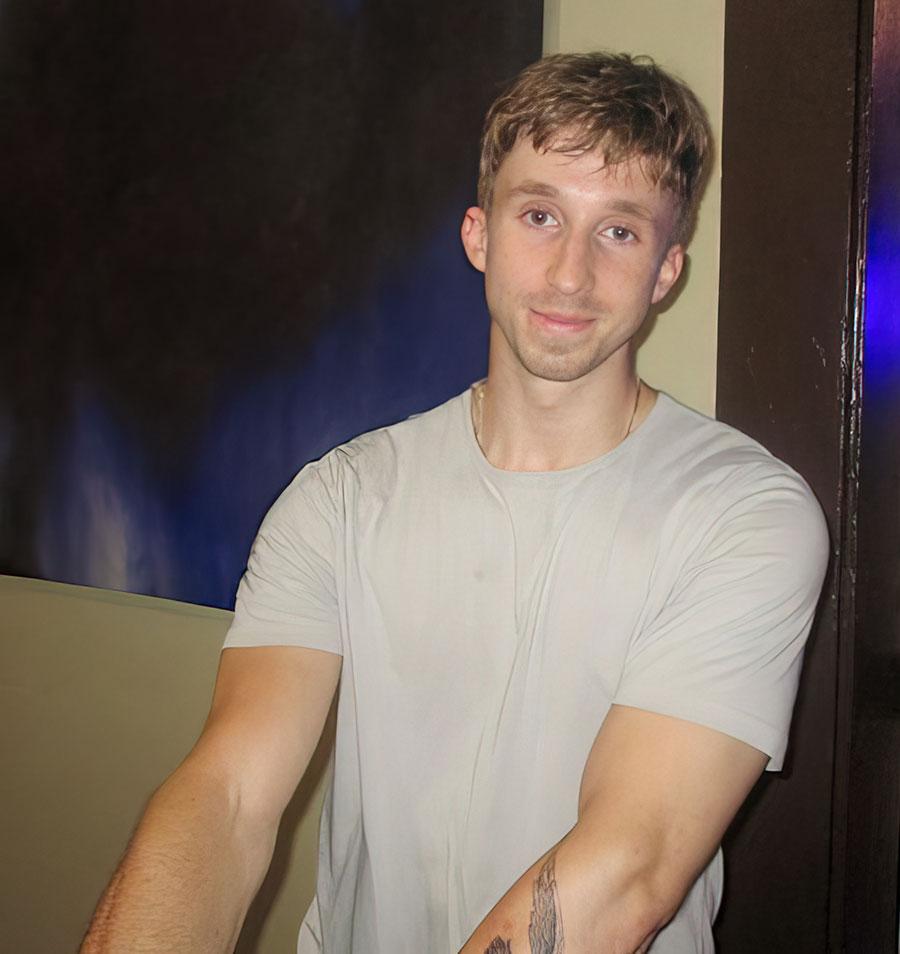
column 529, row 424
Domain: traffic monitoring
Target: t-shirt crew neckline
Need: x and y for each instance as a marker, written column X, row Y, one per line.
column 625, row 447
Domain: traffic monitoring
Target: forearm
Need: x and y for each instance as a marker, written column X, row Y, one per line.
column 577, row 899
column 189, row 875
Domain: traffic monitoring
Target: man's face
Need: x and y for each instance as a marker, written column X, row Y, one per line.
column 574, row 253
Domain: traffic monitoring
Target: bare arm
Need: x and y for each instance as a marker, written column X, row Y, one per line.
column 205, row 841
column 656, row 797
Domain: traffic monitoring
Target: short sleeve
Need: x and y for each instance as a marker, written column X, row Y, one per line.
column 287, row 595
column 726, row 646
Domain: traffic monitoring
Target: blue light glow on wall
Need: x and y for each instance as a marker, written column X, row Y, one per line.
column 882, row 312
column 422, row 338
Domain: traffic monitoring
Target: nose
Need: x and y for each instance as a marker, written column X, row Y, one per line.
column 570, row 271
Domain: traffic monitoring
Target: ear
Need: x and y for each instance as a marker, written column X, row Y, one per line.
column 668, row 274
column 474, row 236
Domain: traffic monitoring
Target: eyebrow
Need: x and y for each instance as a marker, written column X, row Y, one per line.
column 626, row 206
column 631, row 208
column 532, row 187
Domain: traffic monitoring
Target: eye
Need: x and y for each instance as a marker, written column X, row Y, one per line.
column 539, row 218
column 620, row 234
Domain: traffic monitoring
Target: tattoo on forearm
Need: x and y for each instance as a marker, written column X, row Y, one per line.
column 545, row 929
column 545, row 933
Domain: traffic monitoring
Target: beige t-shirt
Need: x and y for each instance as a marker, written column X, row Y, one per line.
column 487, row 620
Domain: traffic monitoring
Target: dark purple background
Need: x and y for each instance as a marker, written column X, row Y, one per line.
column 229, row 242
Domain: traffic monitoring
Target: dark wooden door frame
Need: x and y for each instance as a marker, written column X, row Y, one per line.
column 812, row 859
column 865, row 856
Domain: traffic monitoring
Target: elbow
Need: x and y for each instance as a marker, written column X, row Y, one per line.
column 639, row 912
column 625, row 900
column 203, row 795
column 651, row 906
column 628, row 925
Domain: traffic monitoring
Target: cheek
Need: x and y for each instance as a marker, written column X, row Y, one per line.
column 493, row 294
column 505, row 278
column 627, row 281
column 641, row 279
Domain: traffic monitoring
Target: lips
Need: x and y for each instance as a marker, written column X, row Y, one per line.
column 561, row 323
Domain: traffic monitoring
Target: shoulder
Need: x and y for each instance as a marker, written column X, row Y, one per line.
column 706, row 454
column 718, row 479
column 372, row 461
column 700, row 443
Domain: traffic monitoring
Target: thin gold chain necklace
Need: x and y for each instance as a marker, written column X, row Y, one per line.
column 479, row 411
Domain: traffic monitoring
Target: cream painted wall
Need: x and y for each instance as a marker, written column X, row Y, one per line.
column 687, row 38
column 102, row 695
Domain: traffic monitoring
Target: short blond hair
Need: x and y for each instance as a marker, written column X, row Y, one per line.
column 627, row 107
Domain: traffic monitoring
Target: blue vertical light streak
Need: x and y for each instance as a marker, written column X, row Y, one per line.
column 881, row 374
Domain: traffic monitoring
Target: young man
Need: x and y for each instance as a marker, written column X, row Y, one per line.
column 566, row 612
